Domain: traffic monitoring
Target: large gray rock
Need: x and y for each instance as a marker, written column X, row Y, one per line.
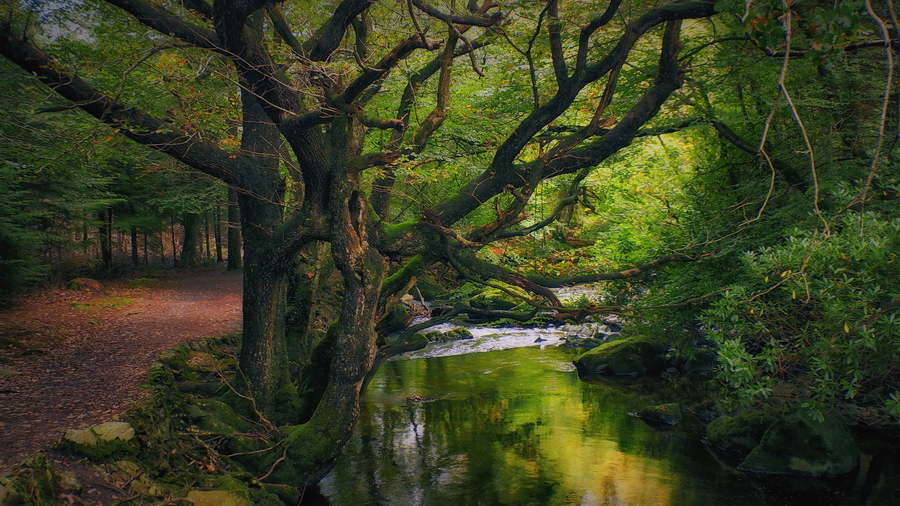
column 633, row 356
column 797, row 444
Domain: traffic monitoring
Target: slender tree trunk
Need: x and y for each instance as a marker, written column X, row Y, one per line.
column 234, row 232
column 105, row 233
column 174, row 246
column 146, row 261
column 135, row 260
column 217, row 229
column 189, row 248
column 206, row 236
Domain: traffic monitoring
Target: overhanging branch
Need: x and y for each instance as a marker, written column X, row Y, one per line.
column 164, row 22
column 134, row 123
column 616, row 275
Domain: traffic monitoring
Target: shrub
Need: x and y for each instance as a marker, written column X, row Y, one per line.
column 819, row 311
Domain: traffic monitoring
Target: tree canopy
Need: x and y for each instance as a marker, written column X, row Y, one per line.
column 368, row 142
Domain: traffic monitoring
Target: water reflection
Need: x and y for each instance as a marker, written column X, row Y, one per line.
column 517, row 427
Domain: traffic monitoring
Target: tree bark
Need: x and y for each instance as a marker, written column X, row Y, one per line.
column 191, row 244
column 233, row 232
column 104, row 230
column 134, row 247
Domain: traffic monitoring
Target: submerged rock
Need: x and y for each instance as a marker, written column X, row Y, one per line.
column 661, row 417
column 632, row 356
column 585, row 343
column 797, row 444
column 701, row 364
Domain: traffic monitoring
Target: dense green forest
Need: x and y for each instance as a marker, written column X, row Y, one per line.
column 726, row 171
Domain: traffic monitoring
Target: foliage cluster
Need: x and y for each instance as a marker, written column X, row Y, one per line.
column 819, row 312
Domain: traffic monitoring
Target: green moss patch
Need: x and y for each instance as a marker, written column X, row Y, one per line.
column 740, row 433
column 797, row 444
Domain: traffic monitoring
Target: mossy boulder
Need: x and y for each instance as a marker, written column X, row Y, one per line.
column 216, row 498
column 798, row 444
column 631, row 356
column 660, row 417
column 428, row 290
column 742, row 433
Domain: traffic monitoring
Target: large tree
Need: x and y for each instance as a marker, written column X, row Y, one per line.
column 316, row 169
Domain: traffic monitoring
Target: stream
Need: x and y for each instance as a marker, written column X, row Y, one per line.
column 491, row 421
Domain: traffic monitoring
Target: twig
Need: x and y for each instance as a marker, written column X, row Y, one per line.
column 861, row 199
column 275, row 464
column 255, row 451
column 250, row 398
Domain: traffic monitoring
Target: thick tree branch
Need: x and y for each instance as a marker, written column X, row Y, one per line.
column 790, row 175
column 385, row 65
column 167, row 23
column 436, row 118
column 504, row 171
column 617, row 275
column 139, row 126
column 669, row 79
column 201, row 7
column 276, row 16
column 556, row 49
column 482, row 21
column 328, row 38
column 585, row 37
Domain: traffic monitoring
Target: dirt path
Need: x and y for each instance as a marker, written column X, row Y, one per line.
column 88, row 352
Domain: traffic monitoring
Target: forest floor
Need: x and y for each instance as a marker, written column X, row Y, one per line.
column 72, row 359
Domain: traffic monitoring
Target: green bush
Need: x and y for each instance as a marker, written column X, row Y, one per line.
column 818, row 312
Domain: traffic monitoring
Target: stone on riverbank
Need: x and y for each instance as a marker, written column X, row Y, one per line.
column 632, row 356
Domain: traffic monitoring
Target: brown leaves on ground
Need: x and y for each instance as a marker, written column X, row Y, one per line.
column 72, row 359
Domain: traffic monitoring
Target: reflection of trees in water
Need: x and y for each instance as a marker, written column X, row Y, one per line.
column 450, row 450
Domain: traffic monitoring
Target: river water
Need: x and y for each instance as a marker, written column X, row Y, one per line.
column 518, row 427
